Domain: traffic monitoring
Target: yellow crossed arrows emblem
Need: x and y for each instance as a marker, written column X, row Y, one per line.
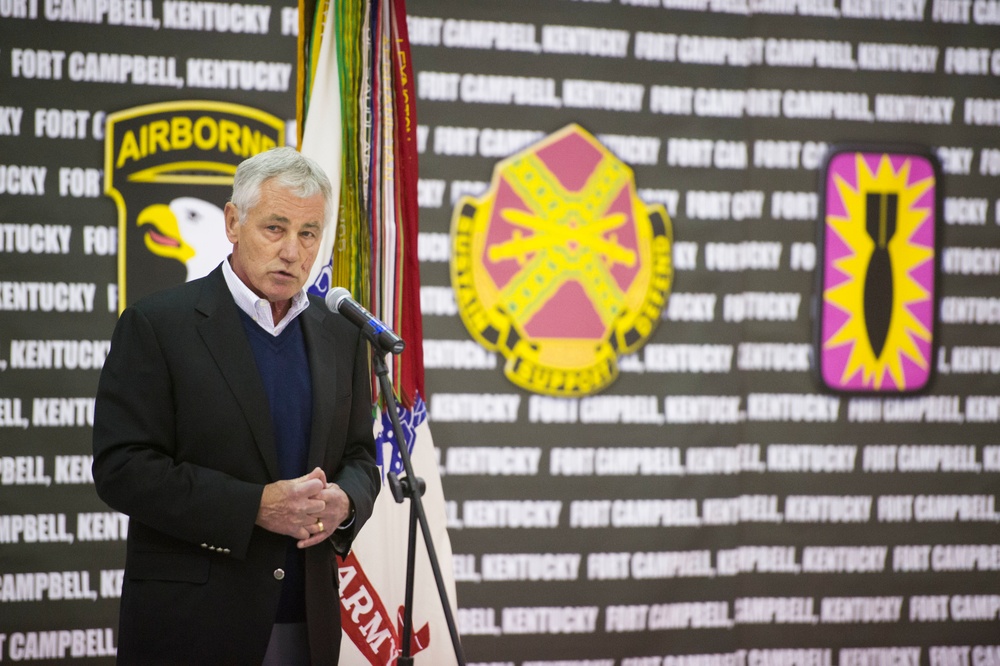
column 567, row 240
column 512, row 264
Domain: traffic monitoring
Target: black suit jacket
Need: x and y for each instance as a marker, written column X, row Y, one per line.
column 184, row 444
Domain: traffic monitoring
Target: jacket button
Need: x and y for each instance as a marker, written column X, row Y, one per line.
column 279, row 574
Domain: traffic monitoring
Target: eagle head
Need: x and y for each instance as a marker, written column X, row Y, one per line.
column 188, row 229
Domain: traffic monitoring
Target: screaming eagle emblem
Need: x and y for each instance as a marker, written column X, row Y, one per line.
column 169, row 168
column 560, row 266
column 188, row 229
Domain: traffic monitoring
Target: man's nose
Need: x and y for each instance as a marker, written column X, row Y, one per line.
column 289, row 250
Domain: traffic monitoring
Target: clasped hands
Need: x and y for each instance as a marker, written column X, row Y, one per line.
column 308, row 508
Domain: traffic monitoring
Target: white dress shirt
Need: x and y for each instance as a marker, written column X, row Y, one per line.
column 259, row 309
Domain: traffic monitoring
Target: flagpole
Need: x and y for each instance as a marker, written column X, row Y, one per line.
column 412, row 487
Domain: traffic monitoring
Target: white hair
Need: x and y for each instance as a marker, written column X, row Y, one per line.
column 290, row 169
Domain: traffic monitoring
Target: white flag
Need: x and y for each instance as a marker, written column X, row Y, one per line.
column 373, row 579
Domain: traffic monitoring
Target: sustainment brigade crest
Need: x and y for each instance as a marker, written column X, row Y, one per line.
column 560, row 266
column 169, row 168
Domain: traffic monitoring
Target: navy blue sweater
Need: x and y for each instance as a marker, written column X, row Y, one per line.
column 284, row 370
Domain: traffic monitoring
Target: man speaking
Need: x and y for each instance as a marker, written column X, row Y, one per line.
column 233, row 426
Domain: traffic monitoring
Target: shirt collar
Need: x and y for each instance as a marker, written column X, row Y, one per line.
column 257, row 308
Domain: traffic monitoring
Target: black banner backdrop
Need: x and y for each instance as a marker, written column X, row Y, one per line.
column 714, row 505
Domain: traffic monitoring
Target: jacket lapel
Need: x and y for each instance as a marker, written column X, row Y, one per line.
column 321, row 350
column 226, row 340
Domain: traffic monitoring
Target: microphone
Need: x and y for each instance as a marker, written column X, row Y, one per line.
column 339, row 300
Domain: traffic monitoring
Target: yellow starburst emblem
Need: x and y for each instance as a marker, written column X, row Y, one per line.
column 877, row 319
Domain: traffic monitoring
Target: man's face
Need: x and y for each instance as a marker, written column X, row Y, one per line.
column 274, row 249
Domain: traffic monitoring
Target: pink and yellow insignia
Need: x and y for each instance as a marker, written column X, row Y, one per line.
column 560, row 266
column 878, row 275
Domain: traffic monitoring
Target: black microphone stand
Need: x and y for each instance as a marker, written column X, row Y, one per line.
column 411, row 487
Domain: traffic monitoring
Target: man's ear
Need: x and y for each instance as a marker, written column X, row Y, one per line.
column 232, row 221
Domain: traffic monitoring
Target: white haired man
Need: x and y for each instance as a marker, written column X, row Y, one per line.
column 233, row 425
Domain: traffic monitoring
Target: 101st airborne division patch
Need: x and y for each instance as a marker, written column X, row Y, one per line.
column 560, row 266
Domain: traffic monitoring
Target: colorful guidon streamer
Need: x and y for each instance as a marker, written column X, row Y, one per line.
column 357, row 117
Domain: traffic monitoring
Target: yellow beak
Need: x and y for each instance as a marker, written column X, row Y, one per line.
column 162, row 235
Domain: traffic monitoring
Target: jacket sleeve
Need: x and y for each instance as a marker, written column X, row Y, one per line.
column 137, row 467
column 358, row 475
